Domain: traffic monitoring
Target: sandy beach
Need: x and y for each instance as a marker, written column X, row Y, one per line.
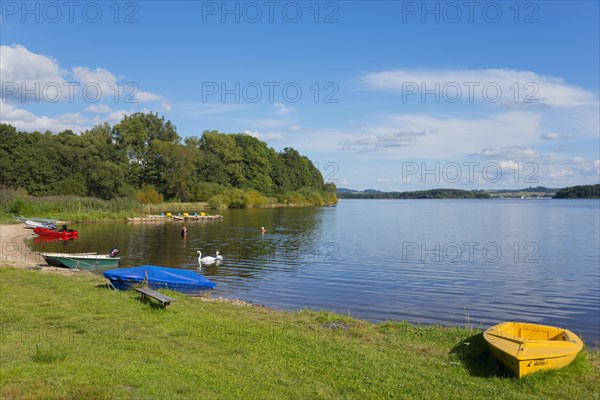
column 13, row 250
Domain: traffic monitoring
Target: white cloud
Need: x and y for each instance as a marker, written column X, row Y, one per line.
column 27, row 121
column 21, row 68
column 268, row 123
column 207, row 109
column 98, row 108
column 389, row 181
column 147, row 97
column 480, row 85
column 30, row 77
column 370, row 142
column 294, row 127
column 426, row 136
column 117, row 116
column 516, row 152
column 21, row 65
column 282, row 109
column 554, row 136
column 270, row 136
column 99, row 76
column 558, row 174
column 110, row 87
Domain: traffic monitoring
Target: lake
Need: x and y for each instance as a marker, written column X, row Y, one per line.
column 423, row 261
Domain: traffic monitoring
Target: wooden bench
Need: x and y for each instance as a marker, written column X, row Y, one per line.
column 161, row 298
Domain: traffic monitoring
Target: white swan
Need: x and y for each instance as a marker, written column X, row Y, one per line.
column 205, row 260
column 219, row 257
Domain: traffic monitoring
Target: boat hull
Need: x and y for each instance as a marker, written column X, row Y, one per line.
column 128, row 285
column 51, row 239
column 55, row 233
column 156, row 277
column 33, row 224
column 51, row 258
column 525, row 348
column 82, row 262
column 41, row 220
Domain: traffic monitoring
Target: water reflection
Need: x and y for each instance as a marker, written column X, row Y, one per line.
column 423, row 261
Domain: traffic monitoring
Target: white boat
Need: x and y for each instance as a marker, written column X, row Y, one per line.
column 42, row 220
column 66, row 254
column 35, row 224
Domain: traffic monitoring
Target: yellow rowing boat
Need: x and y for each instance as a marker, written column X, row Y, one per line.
column 525, row 348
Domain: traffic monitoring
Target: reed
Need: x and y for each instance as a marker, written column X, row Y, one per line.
column 72, row 208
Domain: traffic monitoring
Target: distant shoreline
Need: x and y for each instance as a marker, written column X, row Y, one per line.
column 539, row 192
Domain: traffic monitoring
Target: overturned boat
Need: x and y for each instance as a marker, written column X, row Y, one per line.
column 157, row 277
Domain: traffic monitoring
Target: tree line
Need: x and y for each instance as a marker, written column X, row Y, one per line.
column 143, row 156
column 579, row 192
column 419, row 194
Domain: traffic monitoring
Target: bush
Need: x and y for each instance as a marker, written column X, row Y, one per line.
column 237, row 198
column 203, row 191
column 293, row 198
column 312, row 196
column 219, row 201
column 149, row 195
column 255, row 199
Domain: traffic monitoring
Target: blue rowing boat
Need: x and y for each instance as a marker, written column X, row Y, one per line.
column 181, row 280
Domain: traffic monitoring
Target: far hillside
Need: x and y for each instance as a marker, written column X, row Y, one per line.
column 579, row 192
column 344, row 193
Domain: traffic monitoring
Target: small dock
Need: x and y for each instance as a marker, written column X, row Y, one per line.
column 168, row 217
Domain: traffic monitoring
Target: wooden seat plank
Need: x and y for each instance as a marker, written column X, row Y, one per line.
column 161, row 298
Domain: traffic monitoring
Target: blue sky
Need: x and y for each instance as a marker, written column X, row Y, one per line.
column 393, row 95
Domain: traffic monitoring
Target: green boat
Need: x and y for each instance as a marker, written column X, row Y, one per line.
column 81, row 261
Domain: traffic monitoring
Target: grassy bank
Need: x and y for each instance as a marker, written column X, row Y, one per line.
column 67, row 208
column 90, row 209
column 68, row 337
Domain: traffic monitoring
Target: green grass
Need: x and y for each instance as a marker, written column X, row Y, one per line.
column 7, row 218
column 69, row 337
column 67, row 208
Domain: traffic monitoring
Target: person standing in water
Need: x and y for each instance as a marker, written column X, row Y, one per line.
column 184, row 232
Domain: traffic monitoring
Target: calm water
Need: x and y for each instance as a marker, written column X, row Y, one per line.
column 427, row 261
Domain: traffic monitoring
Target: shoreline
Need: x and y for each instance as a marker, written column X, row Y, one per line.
column 64, row 325
column 14, row 252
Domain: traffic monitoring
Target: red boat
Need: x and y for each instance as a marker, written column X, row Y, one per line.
column 58, row 233
column 41, row 240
